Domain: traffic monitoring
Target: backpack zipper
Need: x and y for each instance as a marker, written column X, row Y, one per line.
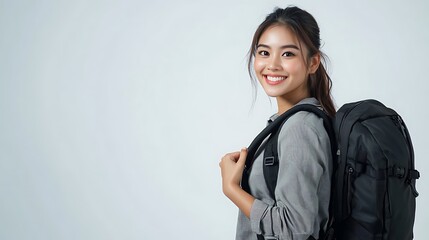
column 350, row 172
column 397, row 120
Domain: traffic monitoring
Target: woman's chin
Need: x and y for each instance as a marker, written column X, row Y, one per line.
column 272, row 94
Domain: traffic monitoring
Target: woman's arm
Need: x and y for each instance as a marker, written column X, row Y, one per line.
column 232, row 165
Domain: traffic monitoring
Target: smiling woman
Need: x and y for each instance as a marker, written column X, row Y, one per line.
column 281, row 67
column 296, row 36
column 286, row 59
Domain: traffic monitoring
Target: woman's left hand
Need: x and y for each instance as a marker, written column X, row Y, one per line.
column 232, row 166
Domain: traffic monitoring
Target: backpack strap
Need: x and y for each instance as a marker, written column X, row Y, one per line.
column 271, row 162
column 273, row 127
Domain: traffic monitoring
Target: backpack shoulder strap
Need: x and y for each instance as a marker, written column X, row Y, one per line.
column 272, row 128
column 271, row 152
column 271, row 161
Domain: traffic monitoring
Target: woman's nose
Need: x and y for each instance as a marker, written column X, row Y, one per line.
column 274, row 64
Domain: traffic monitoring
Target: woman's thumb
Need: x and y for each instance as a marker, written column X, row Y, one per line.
column 243, row 156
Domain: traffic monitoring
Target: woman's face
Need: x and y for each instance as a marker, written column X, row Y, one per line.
column 280, row 66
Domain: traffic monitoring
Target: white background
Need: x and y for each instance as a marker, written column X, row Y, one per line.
column 114, row 114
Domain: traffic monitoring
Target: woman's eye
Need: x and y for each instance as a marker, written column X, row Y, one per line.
column 263, row 53
column 288, row 54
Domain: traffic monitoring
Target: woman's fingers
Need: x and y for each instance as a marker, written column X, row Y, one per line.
column 234, row 156
column 243, row 155
column 232, row 165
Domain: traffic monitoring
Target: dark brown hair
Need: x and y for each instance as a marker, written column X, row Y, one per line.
column 306, row 29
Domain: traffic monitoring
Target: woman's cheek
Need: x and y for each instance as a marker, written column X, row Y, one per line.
column 259, row 66
column 293, row 67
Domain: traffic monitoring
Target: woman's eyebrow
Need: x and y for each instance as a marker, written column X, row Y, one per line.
column 282, row 47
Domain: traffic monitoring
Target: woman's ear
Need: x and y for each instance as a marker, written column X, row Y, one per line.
column 314, row 63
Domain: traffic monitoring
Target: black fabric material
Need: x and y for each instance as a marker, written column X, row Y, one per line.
column 375, row 193
column 271, row 163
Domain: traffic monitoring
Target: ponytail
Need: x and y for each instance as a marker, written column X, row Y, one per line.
column 319, row 85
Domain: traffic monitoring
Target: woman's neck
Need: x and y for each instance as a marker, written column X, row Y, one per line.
column 286, row 103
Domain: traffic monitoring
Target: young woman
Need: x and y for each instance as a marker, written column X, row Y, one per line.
column 286, row 60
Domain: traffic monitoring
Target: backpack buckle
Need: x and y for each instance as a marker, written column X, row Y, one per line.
column 269, row 161
column 397, row 171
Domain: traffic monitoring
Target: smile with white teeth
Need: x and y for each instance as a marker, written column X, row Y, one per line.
column 275, row 79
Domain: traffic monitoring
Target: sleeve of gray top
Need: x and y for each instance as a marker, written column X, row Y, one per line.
column 304, row 158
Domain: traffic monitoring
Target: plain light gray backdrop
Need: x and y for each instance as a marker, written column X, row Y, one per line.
column 115, row 114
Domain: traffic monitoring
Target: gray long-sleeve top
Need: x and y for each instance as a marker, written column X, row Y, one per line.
column 303, row 185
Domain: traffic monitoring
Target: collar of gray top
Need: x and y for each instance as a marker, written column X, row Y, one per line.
column 310, row 100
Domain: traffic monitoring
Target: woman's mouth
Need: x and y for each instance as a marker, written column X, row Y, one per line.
column 274, row 80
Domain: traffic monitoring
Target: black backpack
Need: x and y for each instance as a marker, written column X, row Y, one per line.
column 373, row 187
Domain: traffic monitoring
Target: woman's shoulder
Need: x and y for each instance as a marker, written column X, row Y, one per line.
column 304, row 121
